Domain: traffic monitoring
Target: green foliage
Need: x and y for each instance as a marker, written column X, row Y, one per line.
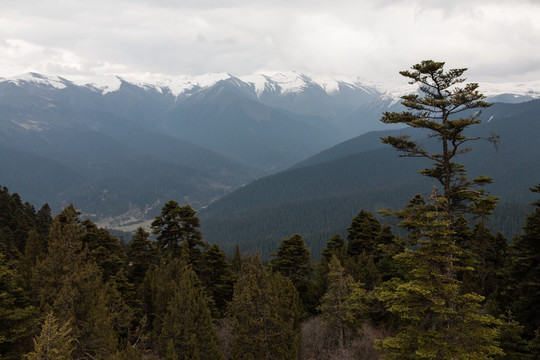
column 334, row 246
column 489, row 254
column 141, row 255
column 433, row 109
column 178, row 232
column 344, row 304
column 17, row 315
column 266, row 314
column 512, row 343
column 218, row 278
column 524, row 272
column 187, row 331
column 103, row 249
column 293, row 260
column 362, row 233
column 438, row 319
column 177, row 308
column 55, row 342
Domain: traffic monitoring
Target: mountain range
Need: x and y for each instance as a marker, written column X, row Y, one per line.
column 118, row 149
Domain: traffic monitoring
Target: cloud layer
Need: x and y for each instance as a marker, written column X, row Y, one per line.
column 497, row 41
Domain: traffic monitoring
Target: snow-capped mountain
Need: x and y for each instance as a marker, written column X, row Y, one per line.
column 115, row 145
column 261, row 83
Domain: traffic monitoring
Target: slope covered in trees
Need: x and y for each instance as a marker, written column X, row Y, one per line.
column 316, row 196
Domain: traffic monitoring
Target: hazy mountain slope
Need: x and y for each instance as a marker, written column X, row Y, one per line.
column 111, row 165
column 320, row 199
column 246, row 130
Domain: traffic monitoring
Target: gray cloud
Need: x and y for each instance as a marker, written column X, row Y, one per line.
column 373, row 40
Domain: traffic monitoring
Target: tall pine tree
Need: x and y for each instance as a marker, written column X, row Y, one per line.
column 438, row 319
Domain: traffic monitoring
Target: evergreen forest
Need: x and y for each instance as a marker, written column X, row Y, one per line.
column 445, row 286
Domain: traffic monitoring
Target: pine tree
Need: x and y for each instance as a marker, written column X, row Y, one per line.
column 217, row 277
column 187, row 331
column 438, row 319
column 103, row 248
column 236, row 260
column 17, row 315
column 489, row 253
column 362, row 233
column 440, row 99
column 524, row 272
column 343, row 305
column 178, row 229
column 141, row 255
column 55, row 342
column 177, row 310
column 69, row 283
column 513, row 345
column 293, row 260
column 63, row 256
column 266, row 314
column 336, row 245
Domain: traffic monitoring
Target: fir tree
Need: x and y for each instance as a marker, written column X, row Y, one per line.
column 336, row 245
column 266, row 314
column 524, row 272
column 17, row 315
column 218, row 278
column 187, row 331
column 293, row 260
column 178, row 230
column 103, row 248
column 176, row 307
column 362, row 233
column 343, row 305
column 55, row 342
column 440, row 99
column 141, row 255
column 438, row 319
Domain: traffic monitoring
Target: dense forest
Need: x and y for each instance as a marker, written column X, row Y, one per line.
column 448, row 289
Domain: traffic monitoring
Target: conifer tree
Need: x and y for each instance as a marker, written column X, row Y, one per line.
column 141, row 255
column 336, row 245
column 178, row 229
column 524, row 272
column 17, row 315
column 438, row 319
column 362, row 233
column 489, row 253
column 187, row 331
column 293, row 260
column 434, row 109
column 103, row 248
column 217, row 277
column 343, row 305
column 63, row 256
column 55, row 342
column 266, row 314
column 236, row 260
column 514, row 346
column 70, row 284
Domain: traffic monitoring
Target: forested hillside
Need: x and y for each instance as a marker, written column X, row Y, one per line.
column 318, row 195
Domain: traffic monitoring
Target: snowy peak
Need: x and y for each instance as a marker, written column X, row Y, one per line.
column 280, row 83
column 38, row 80
column 275, row 83
column 292, row 82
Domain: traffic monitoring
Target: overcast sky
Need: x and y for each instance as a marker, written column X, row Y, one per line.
column 499, row 41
